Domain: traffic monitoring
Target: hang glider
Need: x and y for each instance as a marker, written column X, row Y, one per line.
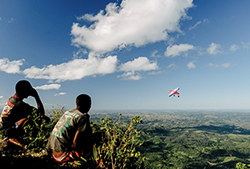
column 174, row 92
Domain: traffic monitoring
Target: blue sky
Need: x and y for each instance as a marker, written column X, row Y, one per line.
column 127, row 54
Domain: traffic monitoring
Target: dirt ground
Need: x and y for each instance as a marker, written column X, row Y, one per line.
column 13, row 156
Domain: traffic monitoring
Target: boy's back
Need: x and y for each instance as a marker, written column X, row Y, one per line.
column 64, row 131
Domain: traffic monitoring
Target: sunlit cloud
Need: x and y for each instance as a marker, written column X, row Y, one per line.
column 157, row 72
column 155, row 54
column 130, row 76
column 234, row 47
column 191, row 65
column 80, row 53
column 48, row 87
column 75, row 69
column 214, row 49
column 138, row 64
column 177, row 50
column 224, row 65
column 246, row 45
column 172, row 65
column 133, row 22
column 60, row 94
column 11, row 66
column 204, row 21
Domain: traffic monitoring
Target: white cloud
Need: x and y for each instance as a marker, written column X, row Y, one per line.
column 48, row 87
column 1, row 97
column 176, row 50
column 213, row 65
column 214, row 48
column 79, row 54
column 155, row 54
column 157, row 72
column 172, row 65
column 11, row 66
column 193, row 27
column 60, row 94
column 74, row 69
column 191, row 65
column 198, row 23
column 224, row 65
column 246, row 45
column 130, row 76
column 134, row 22
column 234, row 47
column 139, row 64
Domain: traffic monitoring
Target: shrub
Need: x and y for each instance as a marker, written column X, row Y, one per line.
column 119, row 148
column 240, row 165
column 37, row 133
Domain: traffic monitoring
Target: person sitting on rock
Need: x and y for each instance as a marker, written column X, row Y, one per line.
column 14, row 115
column 72, row 136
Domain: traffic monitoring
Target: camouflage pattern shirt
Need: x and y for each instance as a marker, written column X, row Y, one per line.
column 64, row 131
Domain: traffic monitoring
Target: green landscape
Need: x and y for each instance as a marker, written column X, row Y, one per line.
column 179, row 139
column 192, row 139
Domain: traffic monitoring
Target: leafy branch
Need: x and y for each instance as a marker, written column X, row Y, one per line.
column 119, row 147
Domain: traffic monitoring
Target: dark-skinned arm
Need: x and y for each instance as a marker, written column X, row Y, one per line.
column 38, row 101
column 75, row 140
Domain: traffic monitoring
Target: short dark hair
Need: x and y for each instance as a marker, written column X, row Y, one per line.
column 84, row 101
column 23, row 86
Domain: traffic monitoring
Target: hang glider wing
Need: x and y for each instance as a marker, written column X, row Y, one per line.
column 174, row 92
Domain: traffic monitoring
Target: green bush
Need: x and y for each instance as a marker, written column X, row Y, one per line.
column 240, row 165
column 37, row 133
column 118, row 149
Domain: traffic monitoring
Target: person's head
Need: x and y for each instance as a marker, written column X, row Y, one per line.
column 83, row 103
column 23, row 88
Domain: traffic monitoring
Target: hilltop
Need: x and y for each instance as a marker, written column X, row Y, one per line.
column 116, row 136
column 173, row 139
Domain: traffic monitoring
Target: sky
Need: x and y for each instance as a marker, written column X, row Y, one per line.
column 128, row 54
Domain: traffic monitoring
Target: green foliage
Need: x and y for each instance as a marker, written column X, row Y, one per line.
column 57, row 113
column 240, row 165
column 195, row 140
column 170, row 139
column 119, row 147
column 37, row 133
column 192, row 139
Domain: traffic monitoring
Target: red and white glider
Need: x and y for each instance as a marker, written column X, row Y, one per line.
column 174, row 92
